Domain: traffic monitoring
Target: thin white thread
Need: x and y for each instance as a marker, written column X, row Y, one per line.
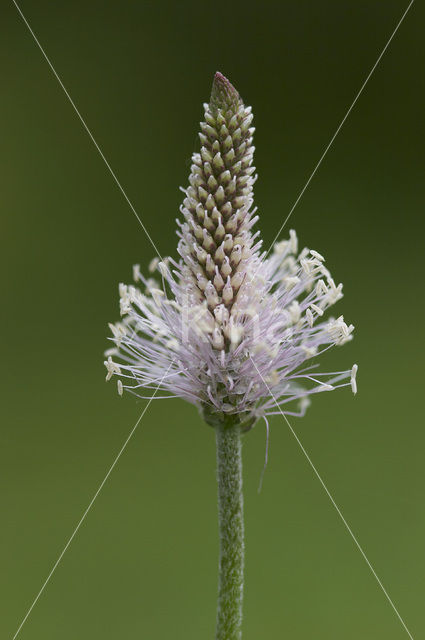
column 88, row 130
column 335, row 505
column 87, row 510
column 339, row 128
column 266, row 455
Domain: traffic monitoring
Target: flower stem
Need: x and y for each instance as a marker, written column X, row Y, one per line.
column 231, row 530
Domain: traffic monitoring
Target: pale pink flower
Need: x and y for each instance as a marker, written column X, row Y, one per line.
column 225, row 326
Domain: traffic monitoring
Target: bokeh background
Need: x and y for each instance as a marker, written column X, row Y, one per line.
column 143, row 564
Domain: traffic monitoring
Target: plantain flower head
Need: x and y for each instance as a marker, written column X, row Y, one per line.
column 226, row 326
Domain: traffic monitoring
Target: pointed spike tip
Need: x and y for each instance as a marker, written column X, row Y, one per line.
column 223, row 93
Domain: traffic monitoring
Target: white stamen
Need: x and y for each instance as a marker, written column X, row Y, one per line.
column 111, row 367
column 317, row 255
column 353, row 378
column 293, row 241
column 295, row 311
column 152, row 265
column 136, row 272
column 309, row 316
column 321, row 288
column 291, row 281
column 279, row 248
column 317, row 309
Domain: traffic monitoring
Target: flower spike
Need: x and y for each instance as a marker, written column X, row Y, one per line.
column 225, row 327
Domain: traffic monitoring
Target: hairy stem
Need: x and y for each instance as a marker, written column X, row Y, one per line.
column 231, row 530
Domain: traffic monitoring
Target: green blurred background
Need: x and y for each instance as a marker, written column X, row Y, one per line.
column 143, row 564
